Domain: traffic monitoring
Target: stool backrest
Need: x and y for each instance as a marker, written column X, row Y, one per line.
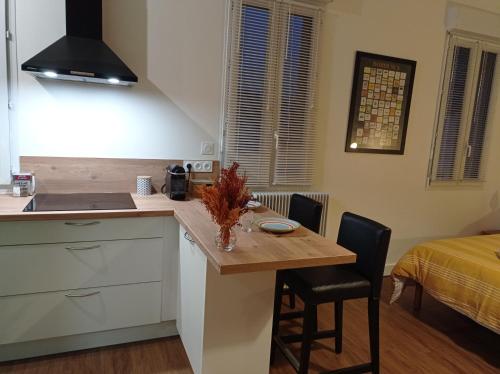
column 370, row 241
column 306, row 211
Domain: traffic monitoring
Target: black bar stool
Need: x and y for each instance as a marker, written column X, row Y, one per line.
column 326, row 284
column 307, row 212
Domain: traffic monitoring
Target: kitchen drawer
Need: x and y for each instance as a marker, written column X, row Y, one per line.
column 35, row 232
column 53, row 267
column 54, row 314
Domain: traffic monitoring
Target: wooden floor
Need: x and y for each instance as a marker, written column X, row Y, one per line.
column 437, row 341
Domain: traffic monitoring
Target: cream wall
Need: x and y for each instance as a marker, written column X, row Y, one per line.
column 176, row 50
column 388, row 188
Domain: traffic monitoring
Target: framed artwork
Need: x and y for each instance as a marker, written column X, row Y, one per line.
column 380, row 104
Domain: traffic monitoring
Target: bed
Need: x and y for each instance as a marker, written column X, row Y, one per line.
column 463, row 273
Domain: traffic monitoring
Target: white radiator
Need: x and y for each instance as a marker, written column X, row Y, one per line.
column 280, row 203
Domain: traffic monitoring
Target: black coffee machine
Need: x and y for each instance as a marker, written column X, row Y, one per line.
column 175, row 186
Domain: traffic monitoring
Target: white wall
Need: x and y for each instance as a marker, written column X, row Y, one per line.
column 176, row 49
column 390, row 188
column 4, row 115
column 167, row 115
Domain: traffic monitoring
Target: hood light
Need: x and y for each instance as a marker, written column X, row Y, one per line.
column 114, row 80
column 50, row 74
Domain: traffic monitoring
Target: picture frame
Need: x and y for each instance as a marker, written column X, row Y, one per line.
column 380, row 104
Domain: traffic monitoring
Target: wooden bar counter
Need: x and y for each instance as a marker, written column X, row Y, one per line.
column 255, row 251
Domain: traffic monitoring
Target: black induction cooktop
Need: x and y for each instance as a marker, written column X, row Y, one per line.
column 47, row 202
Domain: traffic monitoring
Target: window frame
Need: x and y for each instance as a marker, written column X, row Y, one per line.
column 274, row 77
column 477, row 44
column 5, row 152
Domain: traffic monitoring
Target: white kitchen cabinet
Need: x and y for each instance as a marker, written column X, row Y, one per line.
column 191, row 304
column 224, row 321
column 64, row 266
column 54, row 314
column 36, row 232
column 60, row 280
column 170, row 269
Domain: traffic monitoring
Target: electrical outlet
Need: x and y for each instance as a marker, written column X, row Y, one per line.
column 207, row 148
column 199, row 166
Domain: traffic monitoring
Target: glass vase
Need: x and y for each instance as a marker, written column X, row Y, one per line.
column 247, row 221
column 226, row 239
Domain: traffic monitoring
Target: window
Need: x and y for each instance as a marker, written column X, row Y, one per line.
column 4, row 102
column 269, row 114
column 463, row 116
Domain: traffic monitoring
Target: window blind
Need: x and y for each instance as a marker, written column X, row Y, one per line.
column 248, row 137
column 269, row 112
column 296, row 128
column 454, row 111
column 480, row 115
column 470, row 75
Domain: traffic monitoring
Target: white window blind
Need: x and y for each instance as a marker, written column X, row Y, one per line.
column 296, row 130
column 463, row 116
column 269, row 119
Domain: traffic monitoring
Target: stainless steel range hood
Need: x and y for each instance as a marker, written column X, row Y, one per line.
column 81, row 55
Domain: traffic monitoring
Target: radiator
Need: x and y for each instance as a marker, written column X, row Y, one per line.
column 280, row 203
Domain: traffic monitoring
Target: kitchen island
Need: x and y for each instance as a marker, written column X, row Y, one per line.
column 221, row 302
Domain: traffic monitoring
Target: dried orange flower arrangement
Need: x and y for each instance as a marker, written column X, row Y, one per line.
column 226, row 201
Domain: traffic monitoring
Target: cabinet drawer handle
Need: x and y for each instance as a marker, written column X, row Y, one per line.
column 83, row 294
column 83, row 248
column 82, row 224
column 188, row 237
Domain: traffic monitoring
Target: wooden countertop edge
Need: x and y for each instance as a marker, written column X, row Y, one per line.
column 51, row 216
column 261, row 266
column 283, row 265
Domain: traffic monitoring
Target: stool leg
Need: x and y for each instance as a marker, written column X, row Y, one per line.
column 307, row 338
column 373, row 322
column 292, row 300
column 315, row 319
column 278, row 293
column 339, row 309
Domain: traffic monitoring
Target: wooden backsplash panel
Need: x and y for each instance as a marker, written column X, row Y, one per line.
column 75, row 174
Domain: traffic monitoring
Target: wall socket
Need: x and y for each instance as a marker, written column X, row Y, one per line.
column 207, row 148
column 199, row 166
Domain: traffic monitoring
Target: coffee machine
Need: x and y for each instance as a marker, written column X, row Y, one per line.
column 175, row 186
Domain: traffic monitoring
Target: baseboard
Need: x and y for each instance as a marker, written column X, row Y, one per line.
column 388, row 269
column 17, row 351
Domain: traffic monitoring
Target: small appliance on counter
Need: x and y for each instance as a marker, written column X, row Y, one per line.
column 23, row 184
column 175, row 186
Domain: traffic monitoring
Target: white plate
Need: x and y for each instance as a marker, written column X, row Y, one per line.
column 252, row 204
column 277, row 225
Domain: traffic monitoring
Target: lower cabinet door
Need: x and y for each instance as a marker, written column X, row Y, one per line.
column 54, row 314
column 26, row 269
column 191, row 299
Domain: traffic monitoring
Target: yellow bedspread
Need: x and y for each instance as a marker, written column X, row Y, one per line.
column 463, row 273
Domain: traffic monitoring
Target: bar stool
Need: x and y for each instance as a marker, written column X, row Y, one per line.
column 326, row 284
column 307, row 212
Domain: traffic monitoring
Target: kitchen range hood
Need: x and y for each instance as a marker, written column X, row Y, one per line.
column 81, row 55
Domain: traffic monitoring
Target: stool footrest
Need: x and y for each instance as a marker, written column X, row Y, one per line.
column 287, row 352
column 291, row 315
column 364, row 368
column 294, row 338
